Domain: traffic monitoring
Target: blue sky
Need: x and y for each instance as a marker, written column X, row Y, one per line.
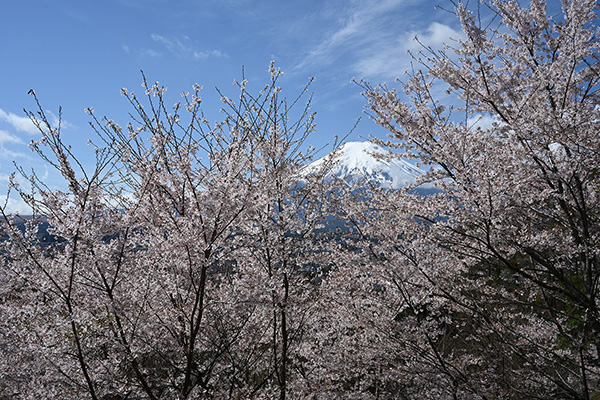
column 79, row 54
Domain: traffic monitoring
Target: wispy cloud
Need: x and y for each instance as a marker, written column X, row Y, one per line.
column 55, row 121
column 152, row 53
column 13, row 155
column 373, row 39
column 6, row 137
column 14, row 146
column 185, row 47
column 481, row 121
column 355, row 29
column 391, row 59
column 435, row 36
column 16, row 206
column 21, row 124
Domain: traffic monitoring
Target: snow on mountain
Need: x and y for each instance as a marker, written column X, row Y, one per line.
column 355, row 163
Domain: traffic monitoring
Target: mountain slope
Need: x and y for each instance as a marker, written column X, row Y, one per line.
column 354, row 163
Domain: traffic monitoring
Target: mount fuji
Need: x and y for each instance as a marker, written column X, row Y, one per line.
column 355, row 163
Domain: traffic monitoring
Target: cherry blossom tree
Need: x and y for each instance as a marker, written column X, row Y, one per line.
column 489, row 288
column 178, row 267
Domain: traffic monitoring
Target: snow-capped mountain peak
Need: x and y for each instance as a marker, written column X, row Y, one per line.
column 355, row 163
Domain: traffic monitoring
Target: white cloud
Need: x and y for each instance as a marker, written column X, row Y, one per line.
column 374, row 37
column 391, row 59
column 358, row 27
column 22, row 124
column 16, row 206
column 12, row 155
column 55, row 121
column 481, row 121
column 185, row 47
column 198, row 55
column 390, row 62
column 152, row 53
column 6, row 137
column 435, row 37
column 163, row 40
